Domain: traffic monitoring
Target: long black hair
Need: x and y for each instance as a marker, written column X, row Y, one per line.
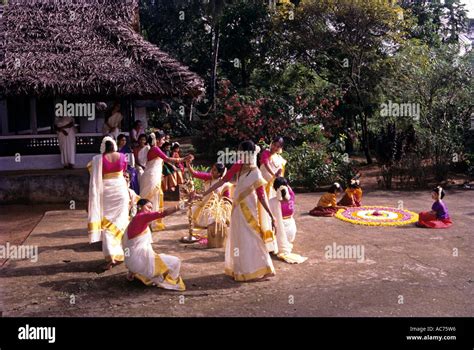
column 247, row 145
column 335, row 187
column 220, row 167
column 439, row 191
column 280, row 181
column 109, row 147
column 278, row 139
column 141, row 202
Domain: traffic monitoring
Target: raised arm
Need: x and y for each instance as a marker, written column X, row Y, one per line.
column 167, row 159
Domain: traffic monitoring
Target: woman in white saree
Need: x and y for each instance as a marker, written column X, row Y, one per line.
column 150, row 182
column 272, row 165
column 283, row 207
column 143, row 263
column 246, row 252
column 108, row 201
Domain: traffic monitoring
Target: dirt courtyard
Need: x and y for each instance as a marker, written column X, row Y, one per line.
column 406, row 271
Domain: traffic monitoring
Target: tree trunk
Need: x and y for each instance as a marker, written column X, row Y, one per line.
column 215, row 52
column 365, row 138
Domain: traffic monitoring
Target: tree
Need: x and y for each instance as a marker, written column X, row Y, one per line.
column 441, row 83
column 344, row 42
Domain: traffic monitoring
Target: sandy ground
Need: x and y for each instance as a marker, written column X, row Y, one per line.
column 406, row 271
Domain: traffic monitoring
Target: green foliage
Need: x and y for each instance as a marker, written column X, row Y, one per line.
column 441, row 83
column 313, row 165
column 198, row 183
column 314, row 70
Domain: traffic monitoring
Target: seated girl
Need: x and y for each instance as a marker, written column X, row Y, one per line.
column 327, row 205
column 352, row 196
column 283, row 207
column 141, row 260
column 438, row 217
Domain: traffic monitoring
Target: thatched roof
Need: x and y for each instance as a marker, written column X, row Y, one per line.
column 85, row 47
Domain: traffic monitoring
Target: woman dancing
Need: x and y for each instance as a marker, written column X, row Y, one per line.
column 246, row 254
column 108, row 201
column 143, row 263
column 150, row 183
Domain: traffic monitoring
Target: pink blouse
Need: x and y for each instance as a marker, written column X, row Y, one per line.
column 234, row 170
column 288, row 207
column 113, row 167
column 208, row 177
column 265, row 157
column 155, row 152
column 141, row 221
column 202, row 175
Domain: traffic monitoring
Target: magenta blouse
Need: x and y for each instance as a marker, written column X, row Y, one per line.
column 113, row 167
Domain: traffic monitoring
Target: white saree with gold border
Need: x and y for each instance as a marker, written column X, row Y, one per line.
column 246, row 255
column 275, row 162
column 150, row 188
column 149, row 267
column 108, row 212
column 285, row 234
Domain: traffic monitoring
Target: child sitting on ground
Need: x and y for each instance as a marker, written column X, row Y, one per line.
column 353, row 195
column 327, row 205
column 438, row 217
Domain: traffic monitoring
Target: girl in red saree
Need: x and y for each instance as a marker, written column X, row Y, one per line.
column 438, row 217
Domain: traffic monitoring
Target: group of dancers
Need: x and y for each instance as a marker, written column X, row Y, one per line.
column 260, row 221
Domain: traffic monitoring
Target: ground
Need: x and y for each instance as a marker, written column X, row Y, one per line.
column 407, row 271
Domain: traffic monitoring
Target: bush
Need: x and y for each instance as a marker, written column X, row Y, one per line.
column 312, row 166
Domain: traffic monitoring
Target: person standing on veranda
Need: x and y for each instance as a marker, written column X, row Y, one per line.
column 112, row 124
column 64, row 126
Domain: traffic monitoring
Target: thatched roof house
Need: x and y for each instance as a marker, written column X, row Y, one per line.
column 79, row 51
column 85, row 47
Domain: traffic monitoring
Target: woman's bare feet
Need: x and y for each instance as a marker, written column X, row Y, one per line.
column 130, row 276
column 112, row 264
